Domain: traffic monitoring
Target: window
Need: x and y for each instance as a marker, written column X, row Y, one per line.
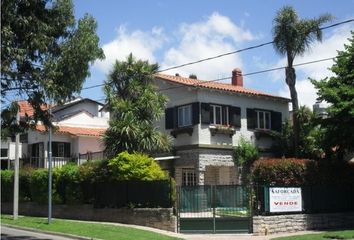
column 189, row 178
column 60, row 149
column 263, row 120
column 185, row 116
column 219, row 115
column 4, row 152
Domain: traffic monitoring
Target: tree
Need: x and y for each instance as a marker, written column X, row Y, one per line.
column 135, row 105
column 244, row 155
column 338, row 91
column 44, row 52
column 293, row 37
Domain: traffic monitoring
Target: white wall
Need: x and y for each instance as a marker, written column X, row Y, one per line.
column 11, row 146
column 90, row 144
column 83, row 119
column 201, row 133
column 90, row 107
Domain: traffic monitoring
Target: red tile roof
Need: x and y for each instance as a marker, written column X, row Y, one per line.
column 26, row 108
column 215, row 85
column 76, row 131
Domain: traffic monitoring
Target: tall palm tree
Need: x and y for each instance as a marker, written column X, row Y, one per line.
column 293, row 37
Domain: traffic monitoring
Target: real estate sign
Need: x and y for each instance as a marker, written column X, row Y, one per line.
column 285, row 199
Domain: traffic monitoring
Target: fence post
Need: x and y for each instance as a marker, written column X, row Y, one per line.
column 213, row 192
column 251, row 207
column 178, row 206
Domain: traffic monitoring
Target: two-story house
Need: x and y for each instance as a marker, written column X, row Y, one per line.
column 79, row 125
column 206, row 119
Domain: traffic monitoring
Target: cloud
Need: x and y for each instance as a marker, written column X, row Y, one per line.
column 320, row 50
column 216, row 35
column 142, row 44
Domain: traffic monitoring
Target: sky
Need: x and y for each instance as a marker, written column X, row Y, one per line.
column 174, row 32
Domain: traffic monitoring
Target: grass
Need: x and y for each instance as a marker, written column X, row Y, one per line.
column 345, row 234
column 91, row 230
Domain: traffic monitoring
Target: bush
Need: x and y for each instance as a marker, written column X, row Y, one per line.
column 293, row 172
column 89, row 173
column 287, row 172
column 68, row 184
column 245, row 153
column 25, row 184
column 7, row 185
column 39, row 186
column 135, row 166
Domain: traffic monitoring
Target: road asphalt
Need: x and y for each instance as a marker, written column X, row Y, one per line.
column 8, row 233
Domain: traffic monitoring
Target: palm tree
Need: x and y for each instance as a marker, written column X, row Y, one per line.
column 293, row 37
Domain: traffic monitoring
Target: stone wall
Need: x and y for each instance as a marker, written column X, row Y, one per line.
column 161, row 218
column 264, row 225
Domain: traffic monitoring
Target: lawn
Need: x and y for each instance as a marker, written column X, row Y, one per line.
column 346, row 234
column 91, row 230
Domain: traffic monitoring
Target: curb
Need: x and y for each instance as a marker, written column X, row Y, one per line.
column 48, row 232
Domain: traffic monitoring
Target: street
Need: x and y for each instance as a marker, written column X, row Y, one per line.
column 16, row 234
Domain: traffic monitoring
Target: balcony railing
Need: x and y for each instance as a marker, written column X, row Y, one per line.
column 41, row 162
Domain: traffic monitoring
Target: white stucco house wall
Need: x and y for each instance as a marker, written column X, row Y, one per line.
column 207, row 119
column 79, row 125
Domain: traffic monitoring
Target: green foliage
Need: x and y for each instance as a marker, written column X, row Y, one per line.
column 44, row 52
column 39, row 186
column 283, row 141
column 7, row 185
column 25, row 184
column 245, row 153
column 338, row 91
column 68, row 184
column 135, row 166
column 279, row 171
column 293, row 172
column 135, row 104
column 292, row 37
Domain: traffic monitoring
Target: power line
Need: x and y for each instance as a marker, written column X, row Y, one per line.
column 251, row 73
column 248, row 48
column 229, row 53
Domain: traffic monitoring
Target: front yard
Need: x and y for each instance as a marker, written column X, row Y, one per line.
column 90, row 230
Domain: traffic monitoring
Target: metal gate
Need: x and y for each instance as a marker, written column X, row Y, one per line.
column 214, row 209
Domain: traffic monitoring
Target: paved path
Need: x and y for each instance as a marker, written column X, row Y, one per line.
column 17, row 234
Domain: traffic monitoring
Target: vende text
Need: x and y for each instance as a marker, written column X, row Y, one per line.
column 285, row 203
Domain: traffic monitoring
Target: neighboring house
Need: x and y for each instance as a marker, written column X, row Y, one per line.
column 8, row 152
column 79, row 125
column 207, row 119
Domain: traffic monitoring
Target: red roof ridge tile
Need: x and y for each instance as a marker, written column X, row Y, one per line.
column 216, row 85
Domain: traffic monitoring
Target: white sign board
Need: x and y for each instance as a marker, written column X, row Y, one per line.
column 285, row 199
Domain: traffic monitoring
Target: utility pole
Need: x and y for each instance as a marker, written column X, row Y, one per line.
column 17, row 166
column 50, row 168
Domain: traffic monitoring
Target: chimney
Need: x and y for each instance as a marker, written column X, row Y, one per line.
column 237, row 78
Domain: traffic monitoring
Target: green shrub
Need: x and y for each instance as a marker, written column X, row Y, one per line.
column 7, row 185
column 292, row 172
column 245, row 153
column 25, row 183
column 135, row 166
column 68, row 184
column 88, row 174
column 39, row 186
column 287, row 172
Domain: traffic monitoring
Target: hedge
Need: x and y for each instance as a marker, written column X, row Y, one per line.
column 296, row 172
column 74, row 184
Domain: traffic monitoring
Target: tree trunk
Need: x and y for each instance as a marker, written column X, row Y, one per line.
column 291, row 81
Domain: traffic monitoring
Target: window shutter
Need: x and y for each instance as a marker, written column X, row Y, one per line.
column 276, row 121
column 195, row 113
column 169, row 118
column 235, row 116
column 205, row 109
column 223, row 109
column 67, row 152
column 251, row 118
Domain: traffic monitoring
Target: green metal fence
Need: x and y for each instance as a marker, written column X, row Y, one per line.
column 315, row 199
column 214, row 209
